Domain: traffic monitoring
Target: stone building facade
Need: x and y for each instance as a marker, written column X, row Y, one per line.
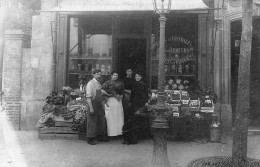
column 34, row 66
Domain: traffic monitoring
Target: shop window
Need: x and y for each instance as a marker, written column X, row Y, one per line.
column 180, row 52
column 131, row 26
column 90, row 48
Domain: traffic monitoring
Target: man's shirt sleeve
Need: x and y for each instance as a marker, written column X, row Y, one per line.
column 89, row 89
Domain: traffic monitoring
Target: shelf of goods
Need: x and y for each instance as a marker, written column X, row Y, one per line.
column 190, row 118
column 174, row 69
column 84, row 65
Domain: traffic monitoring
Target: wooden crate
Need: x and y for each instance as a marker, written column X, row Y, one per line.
column 61, row 130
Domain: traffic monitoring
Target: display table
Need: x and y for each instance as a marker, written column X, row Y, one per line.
column 190, row 128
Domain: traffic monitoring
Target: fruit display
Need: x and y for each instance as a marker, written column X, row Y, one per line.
column 204, row 102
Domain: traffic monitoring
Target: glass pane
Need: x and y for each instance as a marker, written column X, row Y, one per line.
column 90, row 48
column 131, row 26
column 180, row 51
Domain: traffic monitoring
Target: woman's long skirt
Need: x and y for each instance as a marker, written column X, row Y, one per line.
column 114, row 116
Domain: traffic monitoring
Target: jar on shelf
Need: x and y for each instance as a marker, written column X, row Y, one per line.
column 103, row 70
column 91, row 52
column 180, row 68
column 173, row 68
column 108, row 69
column 166, row 68
column 79, row 66
column 110, row 52
column 186, row 67
column 88, row 68
column 97, row 66
column 192, row 67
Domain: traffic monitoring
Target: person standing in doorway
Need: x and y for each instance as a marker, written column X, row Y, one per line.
column 128, row 81
column 114, row 90
column 96, row 122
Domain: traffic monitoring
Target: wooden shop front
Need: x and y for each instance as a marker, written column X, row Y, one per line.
column 114, row 36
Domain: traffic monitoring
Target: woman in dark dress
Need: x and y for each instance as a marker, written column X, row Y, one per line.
column 137, row 126
column 128, row 81
column 139, row 93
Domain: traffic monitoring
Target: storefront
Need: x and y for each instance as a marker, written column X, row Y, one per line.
column 118, row 35
column 71, row 38
column 116, row 43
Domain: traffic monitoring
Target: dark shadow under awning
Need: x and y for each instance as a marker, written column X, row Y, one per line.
column 124, row 5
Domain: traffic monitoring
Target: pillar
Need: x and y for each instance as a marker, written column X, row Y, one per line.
column 38, row 70
column 15, row 41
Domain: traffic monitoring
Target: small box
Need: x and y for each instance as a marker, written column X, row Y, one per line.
column 194, row 105
column 176, row 114
column 185, row 95
column 175, row 103
column 185, row 111
column 207, row 109
column 185, row 103
column 206, row 103
column 176, row 95
column 174, row 108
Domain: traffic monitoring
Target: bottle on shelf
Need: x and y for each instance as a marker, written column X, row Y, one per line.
column 110, row 52
column 103, row 70
column 186, row 67
column 88, row 68
column 91, row 52
column 79, row 66
column 108, row 69
column 166, row 68
column 173, row 68
column 180, row 71
column 97, row 66
column 192, row 67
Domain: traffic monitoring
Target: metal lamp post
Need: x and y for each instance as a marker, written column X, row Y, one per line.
column 160, row 124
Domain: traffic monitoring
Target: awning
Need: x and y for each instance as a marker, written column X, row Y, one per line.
column 123, row 5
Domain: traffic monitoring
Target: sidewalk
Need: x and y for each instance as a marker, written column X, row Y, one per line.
column 24, row 149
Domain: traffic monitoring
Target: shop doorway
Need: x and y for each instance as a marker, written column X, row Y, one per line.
column 236, row 29
column 131, row 53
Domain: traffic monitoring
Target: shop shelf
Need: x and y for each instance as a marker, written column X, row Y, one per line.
column 90, row 58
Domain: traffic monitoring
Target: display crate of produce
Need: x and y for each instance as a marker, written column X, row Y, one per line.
column 173, row 107
column 185, row 103
column 207, row 106
column 207, row 109
column 194, row 105
column 175, row 95
column 184, row 95
column 185, row 111
column 60, row 130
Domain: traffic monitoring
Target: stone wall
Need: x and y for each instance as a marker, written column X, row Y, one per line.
column 15, row 41
column 38, row 71
column 29, row 70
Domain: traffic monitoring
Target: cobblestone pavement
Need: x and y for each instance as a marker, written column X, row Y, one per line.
column 24, row 149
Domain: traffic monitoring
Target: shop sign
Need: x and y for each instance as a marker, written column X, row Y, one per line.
column 178, row 50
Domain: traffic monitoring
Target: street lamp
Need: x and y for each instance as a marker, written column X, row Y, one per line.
column 160, row 124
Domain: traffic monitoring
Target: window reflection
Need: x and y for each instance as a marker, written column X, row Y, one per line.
column 90, row 48
column 97, row 45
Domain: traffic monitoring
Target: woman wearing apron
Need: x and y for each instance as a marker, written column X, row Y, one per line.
column 114, row 90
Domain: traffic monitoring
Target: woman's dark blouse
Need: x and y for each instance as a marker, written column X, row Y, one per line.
column 128, row 82
column 139, row 94
column 113, row 87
